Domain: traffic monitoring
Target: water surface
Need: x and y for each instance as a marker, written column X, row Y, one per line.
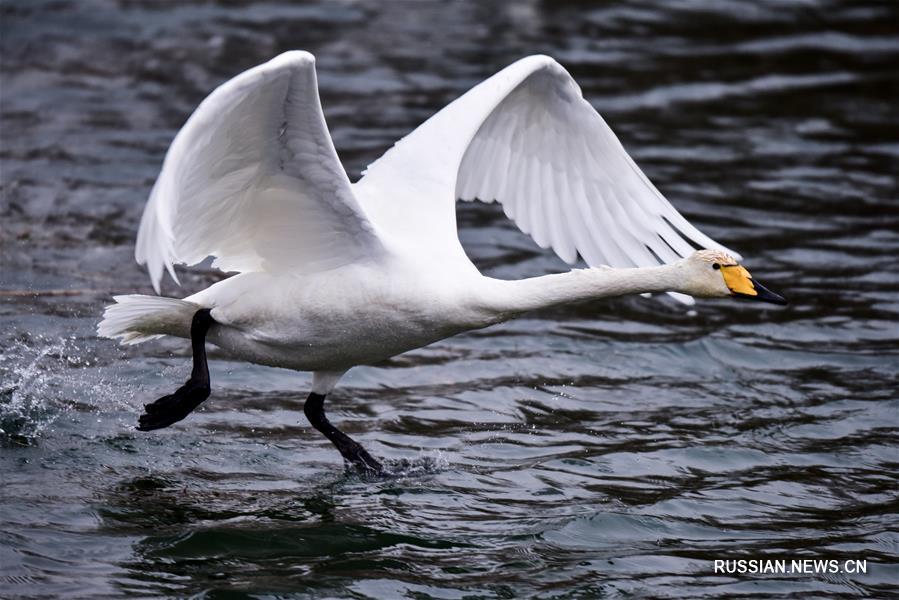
column 611, row 449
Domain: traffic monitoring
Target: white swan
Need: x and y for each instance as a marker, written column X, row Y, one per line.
column 334, row 274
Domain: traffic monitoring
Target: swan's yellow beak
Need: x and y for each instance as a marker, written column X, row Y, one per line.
column 742, row 285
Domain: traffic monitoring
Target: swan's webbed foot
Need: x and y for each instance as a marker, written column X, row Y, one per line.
column 358, row 459
column 174, row 407
column 352, row 452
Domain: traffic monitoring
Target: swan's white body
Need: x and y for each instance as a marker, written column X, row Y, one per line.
column 355, row 314
column 334, row 274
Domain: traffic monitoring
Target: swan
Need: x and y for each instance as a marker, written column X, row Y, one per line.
column 333, row 274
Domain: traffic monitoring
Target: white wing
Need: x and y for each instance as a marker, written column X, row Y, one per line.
column 253, row 179
column 527, row 139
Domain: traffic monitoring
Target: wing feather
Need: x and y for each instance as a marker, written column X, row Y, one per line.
column 253, row 179
column 527, row 138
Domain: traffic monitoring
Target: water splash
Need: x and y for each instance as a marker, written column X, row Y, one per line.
column 427, row 463
column 27, row 406
column 41, row 379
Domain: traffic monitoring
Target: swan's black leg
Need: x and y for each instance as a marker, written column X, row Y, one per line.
column 351, row 451
column 173, row 408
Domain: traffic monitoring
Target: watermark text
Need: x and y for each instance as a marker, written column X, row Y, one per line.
column 801, row 566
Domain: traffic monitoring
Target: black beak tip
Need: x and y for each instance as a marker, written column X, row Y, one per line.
column 766, row 295
column 777, row 299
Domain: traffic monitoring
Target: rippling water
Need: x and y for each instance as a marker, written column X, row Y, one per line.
column 617, row 448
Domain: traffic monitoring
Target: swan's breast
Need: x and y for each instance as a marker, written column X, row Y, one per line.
column 350, row 316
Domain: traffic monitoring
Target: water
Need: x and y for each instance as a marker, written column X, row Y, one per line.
column 612, row 449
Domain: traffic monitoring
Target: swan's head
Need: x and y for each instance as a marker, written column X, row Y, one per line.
column 716, row 274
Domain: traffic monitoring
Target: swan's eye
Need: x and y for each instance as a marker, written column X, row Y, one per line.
column 716, row 266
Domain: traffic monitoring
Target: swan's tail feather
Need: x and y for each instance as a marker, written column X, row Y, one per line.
column 136, row 318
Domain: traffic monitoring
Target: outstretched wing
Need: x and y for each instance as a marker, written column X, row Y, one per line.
column 253, row 179
column 527, row 138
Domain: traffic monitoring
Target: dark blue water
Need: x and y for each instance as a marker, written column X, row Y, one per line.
column 612, row 449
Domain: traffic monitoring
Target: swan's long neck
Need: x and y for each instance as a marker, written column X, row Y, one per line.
column 508, row 299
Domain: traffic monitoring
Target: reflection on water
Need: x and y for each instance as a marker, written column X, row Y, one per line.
column 613, row 448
